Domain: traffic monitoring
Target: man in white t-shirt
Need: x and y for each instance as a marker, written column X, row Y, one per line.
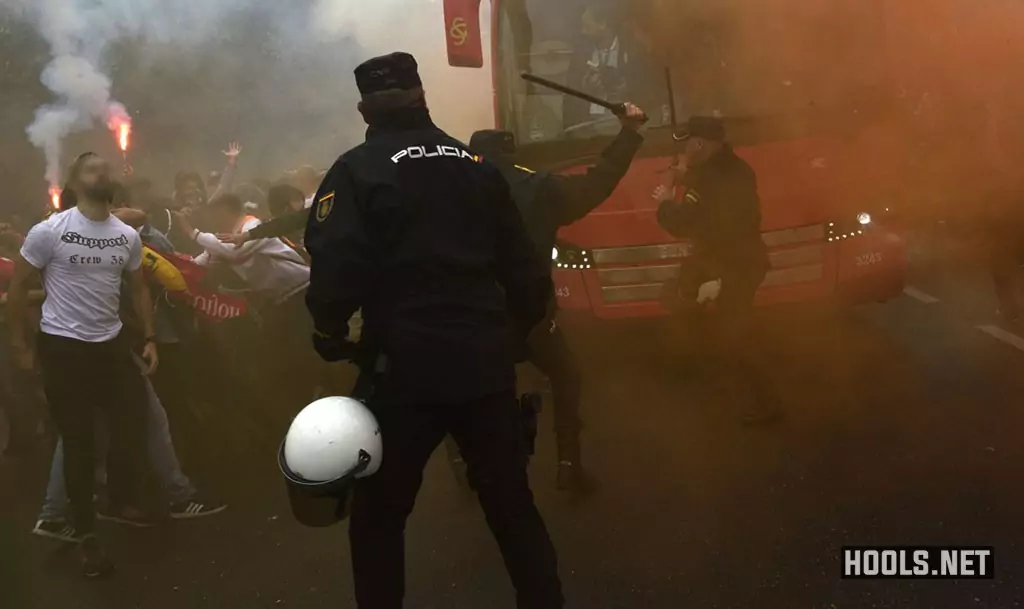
column 84, row 256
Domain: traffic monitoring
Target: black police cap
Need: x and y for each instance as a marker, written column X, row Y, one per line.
column 387, row 72
column 704, row 127
column 491, row 142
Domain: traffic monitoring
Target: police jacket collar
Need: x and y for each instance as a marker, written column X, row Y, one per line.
column 406, row 120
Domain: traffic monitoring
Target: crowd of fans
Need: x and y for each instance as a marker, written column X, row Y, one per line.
column 258, row 353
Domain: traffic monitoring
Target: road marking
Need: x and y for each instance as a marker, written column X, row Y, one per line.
column 919, row 295
column 1007, row 337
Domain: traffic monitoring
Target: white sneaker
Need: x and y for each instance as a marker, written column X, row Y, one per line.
column 56, row 529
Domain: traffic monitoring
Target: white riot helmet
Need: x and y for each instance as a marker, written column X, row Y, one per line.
column 330, row 444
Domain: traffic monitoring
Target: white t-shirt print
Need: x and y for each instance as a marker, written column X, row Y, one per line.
column 83, row 263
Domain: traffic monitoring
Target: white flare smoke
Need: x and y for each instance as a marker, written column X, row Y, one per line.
column 460, row 98
column 80, row 32
column 83, row 95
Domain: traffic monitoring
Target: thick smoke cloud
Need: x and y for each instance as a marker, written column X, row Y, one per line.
column 84, row 95
column 194, row 74
column 460, row 99
column 920, row 94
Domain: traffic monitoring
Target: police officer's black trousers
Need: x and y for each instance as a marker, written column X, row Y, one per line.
column 489, row 434
column 739, row 350
column 1006, row 258
column 551, row 354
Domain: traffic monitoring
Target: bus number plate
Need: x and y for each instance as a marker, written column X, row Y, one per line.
column 869, row 259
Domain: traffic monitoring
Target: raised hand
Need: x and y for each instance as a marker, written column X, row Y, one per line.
column 234, row 149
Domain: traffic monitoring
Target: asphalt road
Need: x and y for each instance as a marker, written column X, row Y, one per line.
column 904, row 426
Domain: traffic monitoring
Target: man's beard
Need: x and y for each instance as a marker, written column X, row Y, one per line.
column 102, row 190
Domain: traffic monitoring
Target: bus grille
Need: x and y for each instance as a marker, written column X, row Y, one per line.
column 638, row 273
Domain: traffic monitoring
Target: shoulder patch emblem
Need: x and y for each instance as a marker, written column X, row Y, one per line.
column 527, row 170
column 324, row 207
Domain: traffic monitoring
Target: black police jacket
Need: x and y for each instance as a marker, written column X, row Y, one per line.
column 721, row 215
column 548, row 201
column 423, row 236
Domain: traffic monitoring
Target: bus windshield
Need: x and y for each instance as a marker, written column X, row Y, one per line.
column 736, row 59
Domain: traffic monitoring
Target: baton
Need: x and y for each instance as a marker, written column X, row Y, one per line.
column 617, row 109
column 672, row 107
column 673, row 118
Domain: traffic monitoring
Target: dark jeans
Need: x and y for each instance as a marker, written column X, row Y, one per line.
column 81, row 379
column 174, row 378
column 551, row 354
column 489, row 434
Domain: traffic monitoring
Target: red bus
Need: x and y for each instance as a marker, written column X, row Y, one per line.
column 811, row 117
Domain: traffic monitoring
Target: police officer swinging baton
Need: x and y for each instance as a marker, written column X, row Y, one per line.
column 617, row 109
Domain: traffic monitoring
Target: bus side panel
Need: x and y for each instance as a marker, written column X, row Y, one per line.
column 872, row 267
column 571, row 290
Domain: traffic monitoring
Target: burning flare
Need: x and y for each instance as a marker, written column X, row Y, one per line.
column 124, row 132
column 120, row 123
column 55, row 197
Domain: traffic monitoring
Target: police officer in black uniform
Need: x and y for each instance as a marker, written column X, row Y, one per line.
column 721, row 215
column 547, row 202
column 423, row 236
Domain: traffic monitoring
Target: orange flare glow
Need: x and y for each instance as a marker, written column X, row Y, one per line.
column 121, row 125
column 124, row 132
column 55, row 197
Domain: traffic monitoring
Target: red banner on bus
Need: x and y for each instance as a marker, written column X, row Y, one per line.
column 462, row 33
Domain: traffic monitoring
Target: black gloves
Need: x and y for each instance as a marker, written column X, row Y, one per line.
column 333, row 349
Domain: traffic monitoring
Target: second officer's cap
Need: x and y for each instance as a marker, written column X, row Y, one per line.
column 704, row 127
column 388, row 72
column 491, row 142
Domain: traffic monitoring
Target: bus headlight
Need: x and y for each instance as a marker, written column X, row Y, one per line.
column 567, row 256
column 864, row 218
